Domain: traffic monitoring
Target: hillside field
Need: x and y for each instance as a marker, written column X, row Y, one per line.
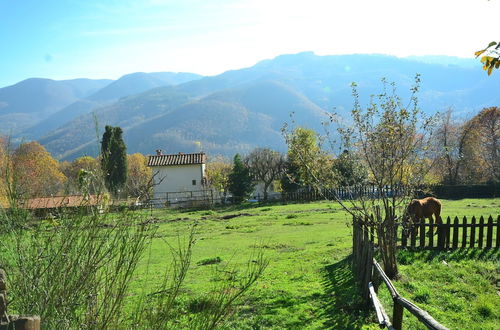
column 308, row 283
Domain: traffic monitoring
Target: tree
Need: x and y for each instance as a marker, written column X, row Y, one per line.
column 482, row 146
column 311, row 164
column 35, row 172
column 265, row 165
column 490, row 56
column 451, row 137
column 218, row 171
column 240, row 181
column 139, row 176
column 393, row 141
column 73, row 169
column 350, row 169
column 114, row 159
column 290, row 179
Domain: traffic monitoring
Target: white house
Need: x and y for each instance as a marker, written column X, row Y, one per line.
column 178, row 178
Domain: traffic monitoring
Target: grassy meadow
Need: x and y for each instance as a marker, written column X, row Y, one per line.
column 308, row 283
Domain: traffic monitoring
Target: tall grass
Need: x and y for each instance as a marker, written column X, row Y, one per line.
column 74, row 270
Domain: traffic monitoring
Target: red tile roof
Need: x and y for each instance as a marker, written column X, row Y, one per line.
column 177, row 159
column 60, row 201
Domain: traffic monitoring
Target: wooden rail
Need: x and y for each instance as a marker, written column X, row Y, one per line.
column 368, row 271
column 400, row 303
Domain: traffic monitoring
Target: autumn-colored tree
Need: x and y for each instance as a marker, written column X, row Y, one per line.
column 481, row 153
column 35, row 172
column 218, row 171
column 73, row 169
column 139, row 177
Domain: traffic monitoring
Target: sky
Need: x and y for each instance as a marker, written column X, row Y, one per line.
column 66, row 39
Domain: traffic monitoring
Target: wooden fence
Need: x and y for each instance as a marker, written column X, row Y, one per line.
column 399, row 304
column 478, row 233
column 369, row 272
column 193, row 198
column 344, row 193
column 11, row 322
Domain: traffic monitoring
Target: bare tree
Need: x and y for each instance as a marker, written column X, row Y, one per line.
column 452, row 148
column 265, row 165
column 393, row 142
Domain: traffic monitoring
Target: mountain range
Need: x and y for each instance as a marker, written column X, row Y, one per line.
column 234, row 111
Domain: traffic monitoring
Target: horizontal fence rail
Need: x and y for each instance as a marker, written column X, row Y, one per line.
column 400, row 303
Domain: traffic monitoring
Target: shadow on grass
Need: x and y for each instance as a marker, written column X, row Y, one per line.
column 343, row 306
column 407, row 257
column 242, row 206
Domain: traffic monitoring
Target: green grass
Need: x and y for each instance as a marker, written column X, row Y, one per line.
column 458, row 288
column 308, row 283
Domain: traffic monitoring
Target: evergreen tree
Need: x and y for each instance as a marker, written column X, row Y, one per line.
column 114, row 159
column 350, row 169
column 290, row 181
column 240, row 181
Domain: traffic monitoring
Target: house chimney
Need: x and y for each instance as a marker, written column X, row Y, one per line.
column 158, row 152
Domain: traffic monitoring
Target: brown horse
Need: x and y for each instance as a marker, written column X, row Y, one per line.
column 419, row 209
column 425, row 208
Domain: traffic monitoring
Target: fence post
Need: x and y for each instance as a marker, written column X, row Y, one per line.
column 473, row 232
column 498, row 233
column 481, row 232
column 397, row 316
column 464, row 232
column 422, row 234
column 3, row 296
column 489, row 233
column 447, row 236
column 413, row 234
column 454, row 244
column 431, row 233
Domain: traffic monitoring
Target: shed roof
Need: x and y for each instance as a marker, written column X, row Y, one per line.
column 61, row 201
column 177, row 159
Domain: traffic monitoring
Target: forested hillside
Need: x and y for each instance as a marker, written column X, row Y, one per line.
column 240, row 109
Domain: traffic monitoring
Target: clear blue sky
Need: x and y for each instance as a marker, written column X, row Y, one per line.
column 67, row 39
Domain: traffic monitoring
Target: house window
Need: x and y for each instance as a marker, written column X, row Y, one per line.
column 194, row 182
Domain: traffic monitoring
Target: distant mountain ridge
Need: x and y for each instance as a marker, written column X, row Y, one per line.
column 129, row 84
column 25, row 103
column 241, row 109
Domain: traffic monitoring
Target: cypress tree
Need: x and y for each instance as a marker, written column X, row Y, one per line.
column 240, row 180
column 105, row 151
column 114, row 159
